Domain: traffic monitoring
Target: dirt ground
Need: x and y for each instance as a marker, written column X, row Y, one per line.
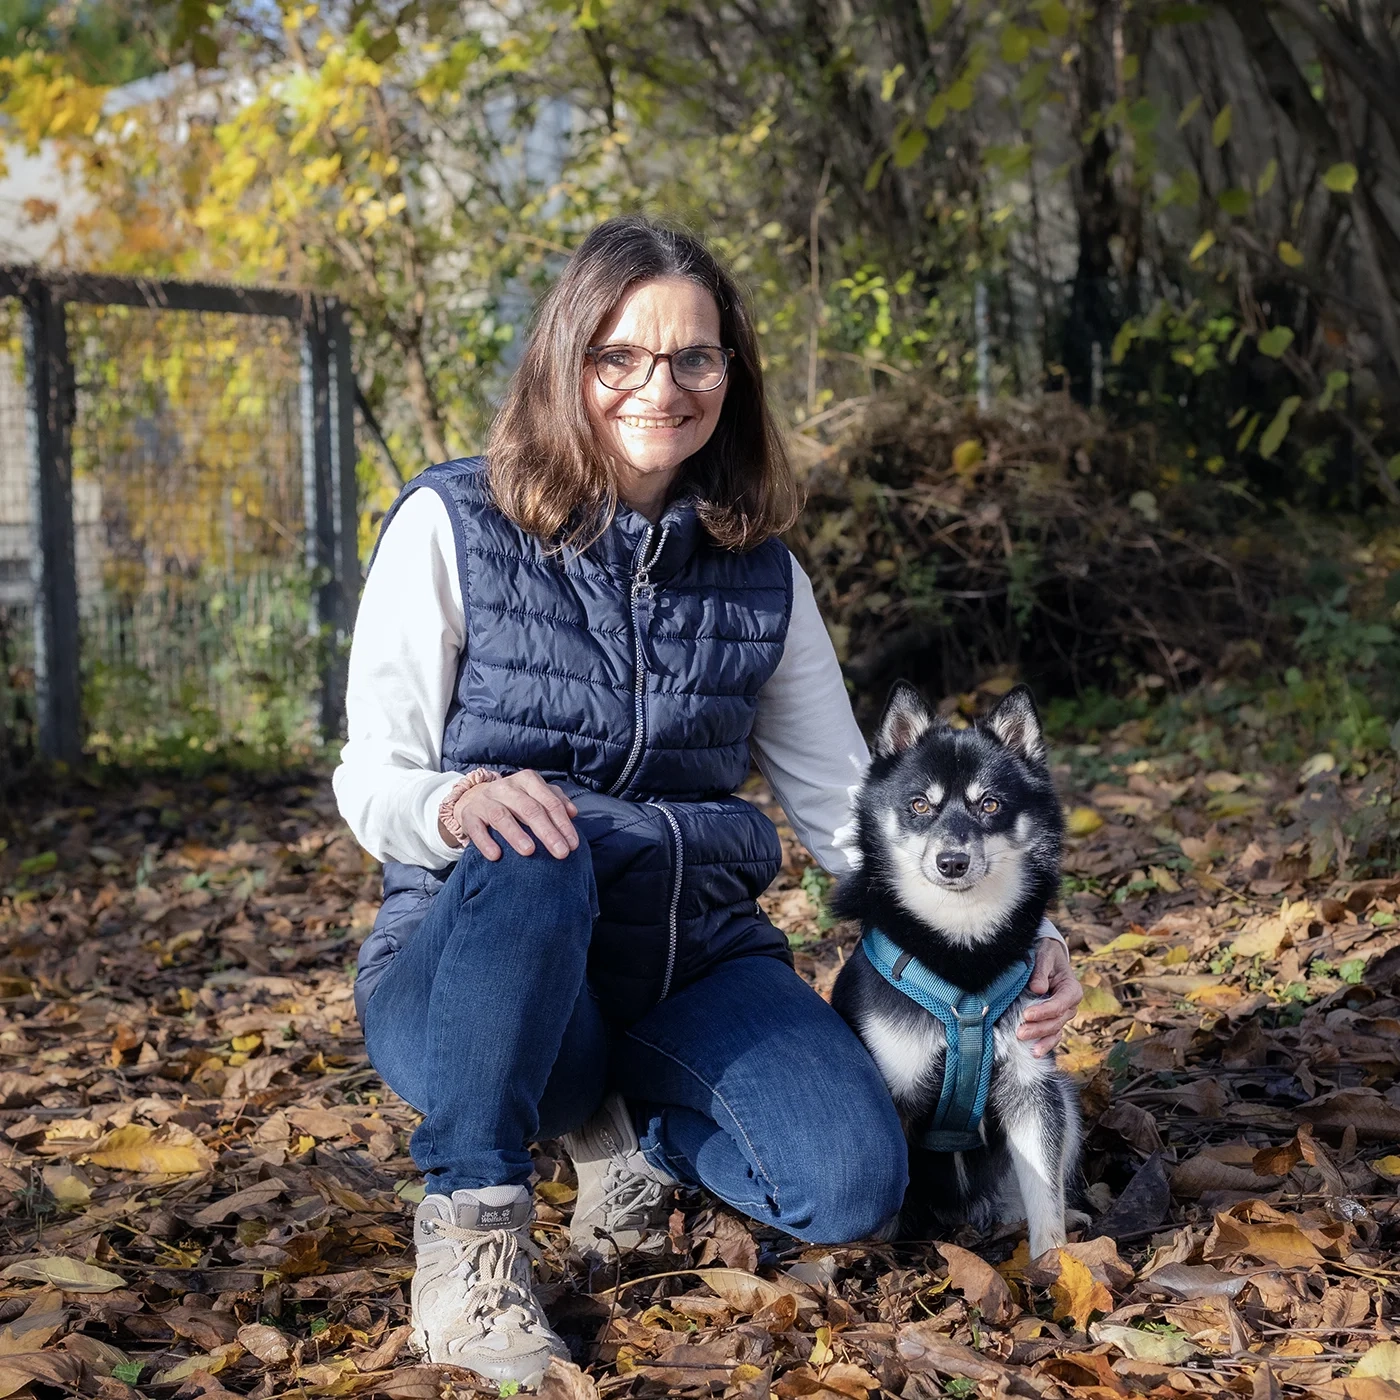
column 205, row 1190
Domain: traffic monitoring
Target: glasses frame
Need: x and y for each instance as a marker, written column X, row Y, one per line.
column 591, row 355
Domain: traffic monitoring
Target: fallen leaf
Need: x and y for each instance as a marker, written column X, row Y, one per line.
column 170, row 1150
column 1077, row 1293
column 980, row 1284
column 70, row 1275
column 922, row 1347
column 266, row 1343
column 1381, row 1360
column 1167, row 1347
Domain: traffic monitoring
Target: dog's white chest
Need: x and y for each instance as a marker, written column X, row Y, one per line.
column 909, row 1051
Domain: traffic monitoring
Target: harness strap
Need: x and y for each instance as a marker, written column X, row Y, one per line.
column 968, row 1018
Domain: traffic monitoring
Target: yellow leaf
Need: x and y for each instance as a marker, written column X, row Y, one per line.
column 1124, row 943
column 1381, row 1360
column 1299, row 1346
column 1217, row 998
column 1387, row 1167
column 966, row 455
column 1203, row 245
column 1220, row 127
column 1083, row 821
column 1077, row 1293
column 1174, row 956
column 1163, row 879
column 821, row 1348
column 557, row 1193
column 70, row 1275
column 1098, row 1004
column 247, row 1042
column 189, row 1366
column 170, row 1149
column 1289, row 254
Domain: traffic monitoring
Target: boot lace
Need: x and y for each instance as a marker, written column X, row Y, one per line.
column 629, row 1197
column 497, row 1299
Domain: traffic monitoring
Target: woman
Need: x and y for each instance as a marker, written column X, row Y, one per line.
column 575, row 644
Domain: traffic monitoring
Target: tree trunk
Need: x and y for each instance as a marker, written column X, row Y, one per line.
column 1091, row 306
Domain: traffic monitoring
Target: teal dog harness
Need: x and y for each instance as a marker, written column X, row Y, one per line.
column 968, row 1019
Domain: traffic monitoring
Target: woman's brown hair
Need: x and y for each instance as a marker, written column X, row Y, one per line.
column 547, row 472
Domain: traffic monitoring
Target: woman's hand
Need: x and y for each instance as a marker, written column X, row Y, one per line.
column 509, row 805
column 1044, row 1020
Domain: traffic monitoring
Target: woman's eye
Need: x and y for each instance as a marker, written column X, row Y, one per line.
column 990, row 805
column 921, row 806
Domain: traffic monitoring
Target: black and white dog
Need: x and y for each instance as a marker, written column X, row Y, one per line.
column 958, row 835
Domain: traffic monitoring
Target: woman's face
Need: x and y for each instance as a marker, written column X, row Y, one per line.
column 649, row 432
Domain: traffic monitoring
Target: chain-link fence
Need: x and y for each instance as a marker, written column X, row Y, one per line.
column 177, row 519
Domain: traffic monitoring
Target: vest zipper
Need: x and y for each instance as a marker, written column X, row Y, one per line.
column 642, row 589
column 673, row 922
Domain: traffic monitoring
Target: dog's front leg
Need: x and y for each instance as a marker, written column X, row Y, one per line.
column 1033, row 1118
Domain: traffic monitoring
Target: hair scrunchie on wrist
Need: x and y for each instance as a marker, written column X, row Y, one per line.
column 447, row 808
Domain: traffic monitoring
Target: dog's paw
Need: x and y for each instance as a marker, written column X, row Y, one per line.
column 1077, row 1220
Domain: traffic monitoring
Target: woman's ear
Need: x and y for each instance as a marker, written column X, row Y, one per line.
column 905, row 721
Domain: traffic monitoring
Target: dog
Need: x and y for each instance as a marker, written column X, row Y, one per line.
column 956, row 856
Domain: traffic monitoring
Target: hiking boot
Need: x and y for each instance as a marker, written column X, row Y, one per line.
column 473, row 1303
column 622, row 1199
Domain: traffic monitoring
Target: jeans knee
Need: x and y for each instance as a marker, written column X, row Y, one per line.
column 544, row 892
column 852, row 1191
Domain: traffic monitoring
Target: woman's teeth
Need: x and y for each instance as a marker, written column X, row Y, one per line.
column 652, row 422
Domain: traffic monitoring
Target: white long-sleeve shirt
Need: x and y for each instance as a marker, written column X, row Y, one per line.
column 408, row 641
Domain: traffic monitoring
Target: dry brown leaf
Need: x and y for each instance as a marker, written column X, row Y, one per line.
column 56, row 1368
column 1276, row 1241
column 267, row 1344
column 980, row 1284
column 746, row 1293
column 564, row 1381
column 922, row 1347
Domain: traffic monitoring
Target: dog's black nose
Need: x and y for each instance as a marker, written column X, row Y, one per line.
column 953, row 864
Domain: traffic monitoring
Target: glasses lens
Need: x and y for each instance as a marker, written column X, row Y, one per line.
column 699, row 367
column 623, row 366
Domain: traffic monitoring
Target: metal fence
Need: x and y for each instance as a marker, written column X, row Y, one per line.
column 178, row 516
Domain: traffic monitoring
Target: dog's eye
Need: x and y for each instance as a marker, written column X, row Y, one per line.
column 989, row 805
column 921, row 806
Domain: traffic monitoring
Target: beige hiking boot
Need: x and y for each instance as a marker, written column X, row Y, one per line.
column 623, row 1201
column 473, row 1301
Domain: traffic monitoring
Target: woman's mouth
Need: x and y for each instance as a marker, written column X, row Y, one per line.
column 631, row 421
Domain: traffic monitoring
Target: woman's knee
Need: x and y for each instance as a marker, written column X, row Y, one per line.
column 853, row 1184
column 540, row 890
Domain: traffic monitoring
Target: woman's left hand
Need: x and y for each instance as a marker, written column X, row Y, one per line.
column 1043, row 1021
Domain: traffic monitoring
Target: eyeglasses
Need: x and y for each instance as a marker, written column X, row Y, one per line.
column 698, row 368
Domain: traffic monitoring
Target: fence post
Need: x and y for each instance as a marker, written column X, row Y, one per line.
column 330, row 494
column 53, row 566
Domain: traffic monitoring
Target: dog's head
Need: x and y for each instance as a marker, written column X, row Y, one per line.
column 961, row 827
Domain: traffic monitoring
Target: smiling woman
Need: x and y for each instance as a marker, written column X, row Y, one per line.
column 580, row 643
column 574, row 436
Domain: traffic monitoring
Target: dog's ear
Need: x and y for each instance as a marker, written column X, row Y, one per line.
column 906, row 720
column 1016, row 723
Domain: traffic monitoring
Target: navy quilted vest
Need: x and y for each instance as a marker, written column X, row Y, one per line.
column 629, row 674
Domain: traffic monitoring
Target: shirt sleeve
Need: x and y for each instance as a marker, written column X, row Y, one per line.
column 409, row 636
column 805, row 739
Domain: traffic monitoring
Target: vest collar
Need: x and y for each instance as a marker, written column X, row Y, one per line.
column 620, row 545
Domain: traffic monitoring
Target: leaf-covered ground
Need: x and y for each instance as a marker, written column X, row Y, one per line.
column 204, row 1189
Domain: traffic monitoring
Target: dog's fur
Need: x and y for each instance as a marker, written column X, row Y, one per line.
column 967, row 927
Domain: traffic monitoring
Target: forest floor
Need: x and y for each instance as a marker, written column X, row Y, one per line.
column 205, row 1190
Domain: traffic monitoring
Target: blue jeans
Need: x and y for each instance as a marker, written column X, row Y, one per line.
column 745, row 1082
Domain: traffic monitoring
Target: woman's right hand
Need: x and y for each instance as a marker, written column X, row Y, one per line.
column 510, row 804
